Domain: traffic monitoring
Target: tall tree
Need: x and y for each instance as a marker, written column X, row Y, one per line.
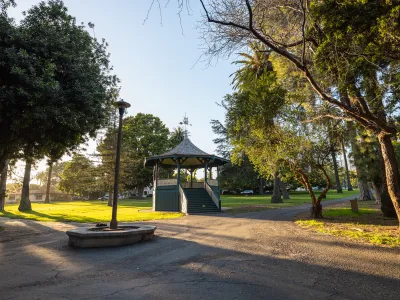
column 145, row 135
column 54, row 76
column 346, row 165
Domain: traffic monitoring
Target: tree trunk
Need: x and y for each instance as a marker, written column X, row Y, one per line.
column 365, row 191
column 284, row 192
column 3, row 161
column 25, row 203
column 3, row 186
column 335, row 167
column 316, row 208
column 326, row 189
column 110, row 198
column 47, row 199
column 261, row 186
column 378, row 199
column 391, row 170
column 276, row 194
column 140, row 192
column 380, row 184
column 349, row 187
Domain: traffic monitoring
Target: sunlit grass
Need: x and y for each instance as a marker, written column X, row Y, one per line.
column 367, row 225
column 240, row 203
column 88, row 211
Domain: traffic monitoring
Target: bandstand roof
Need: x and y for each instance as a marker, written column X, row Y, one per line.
column 189, row 156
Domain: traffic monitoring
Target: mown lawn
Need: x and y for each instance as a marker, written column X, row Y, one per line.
column 239, row 203
column 88, row 211
column 367, row 225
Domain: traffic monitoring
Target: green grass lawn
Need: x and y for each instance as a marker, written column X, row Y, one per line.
column 367, row 225
column 239, row 203
column 88, row 211
column 129, row 210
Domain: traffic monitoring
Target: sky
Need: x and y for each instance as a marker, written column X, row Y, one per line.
column 156, row 61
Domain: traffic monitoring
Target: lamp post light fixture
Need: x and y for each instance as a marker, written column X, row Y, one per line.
column 122, row 105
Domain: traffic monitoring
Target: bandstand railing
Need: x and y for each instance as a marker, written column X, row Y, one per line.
column 212, row 182
column 166, row 182
column 195, row 185
column 212, row 194
column 182, row 200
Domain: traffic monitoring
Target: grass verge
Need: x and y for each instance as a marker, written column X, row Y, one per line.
column 241, row 204
column 1, row 228
column 367, row 226
column 88, row 211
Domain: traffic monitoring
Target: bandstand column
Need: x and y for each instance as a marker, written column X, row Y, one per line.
column 218, row 175
column 156, row 175
column 179, row 172
column 205, row 171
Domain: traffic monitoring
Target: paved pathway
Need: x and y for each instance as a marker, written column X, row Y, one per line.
column 260, row 255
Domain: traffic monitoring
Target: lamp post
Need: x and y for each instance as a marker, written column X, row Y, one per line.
column 122, row 105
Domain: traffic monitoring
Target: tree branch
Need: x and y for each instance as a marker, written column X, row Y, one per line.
column 362, row 118
column 328, row 184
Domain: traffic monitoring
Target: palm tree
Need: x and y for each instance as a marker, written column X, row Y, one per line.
column 177, row 136
column 253, row 65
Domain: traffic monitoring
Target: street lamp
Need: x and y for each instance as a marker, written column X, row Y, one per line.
column 122, row 105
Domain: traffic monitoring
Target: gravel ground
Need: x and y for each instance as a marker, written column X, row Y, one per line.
column 259, row 255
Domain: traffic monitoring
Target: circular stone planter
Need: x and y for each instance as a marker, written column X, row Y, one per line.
column 103, row 236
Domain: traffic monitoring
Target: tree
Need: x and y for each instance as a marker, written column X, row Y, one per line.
column 349, row 186
column 145, row 135
column 367, row 156
column 176, row 136
column 3, row 186
column 58, row 76
column 260, row 123
column 107, row 151
column 239, row 176
column 79, row 176
column 25, row 203
column 318, row 38
column 50, row 177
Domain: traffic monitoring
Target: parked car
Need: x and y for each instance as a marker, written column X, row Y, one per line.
column 228, row 192
column 247, row 192
column 103, row 198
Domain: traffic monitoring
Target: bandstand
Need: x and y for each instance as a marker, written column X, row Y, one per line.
column 190, row 197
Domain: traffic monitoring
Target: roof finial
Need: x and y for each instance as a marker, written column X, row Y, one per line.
column 185, row 123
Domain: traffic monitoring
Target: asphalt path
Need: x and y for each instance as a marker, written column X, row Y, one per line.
column 259, row 255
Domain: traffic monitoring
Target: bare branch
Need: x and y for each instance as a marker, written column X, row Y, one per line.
column 148, row 12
